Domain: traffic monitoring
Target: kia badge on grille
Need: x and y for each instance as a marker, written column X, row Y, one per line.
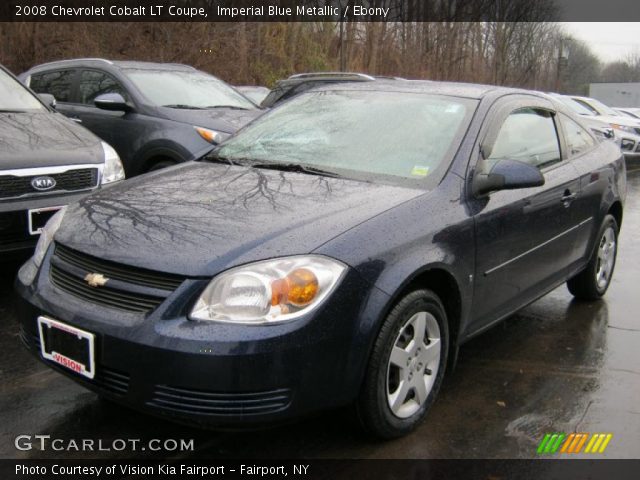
column 43, row 183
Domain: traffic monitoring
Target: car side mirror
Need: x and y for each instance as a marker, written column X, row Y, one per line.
column 112, row 101
column 48, row 99
column 494, row 175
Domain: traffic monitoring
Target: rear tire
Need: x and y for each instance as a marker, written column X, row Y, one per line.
column 592, row 282
column 406, row 366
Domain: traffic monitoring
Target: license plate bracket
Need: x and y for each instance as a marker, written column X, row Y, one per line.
column 38, row 218
column 67, row 346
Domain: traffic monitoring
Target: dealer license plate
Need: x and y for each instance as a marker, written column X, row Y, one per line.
column 67, row 346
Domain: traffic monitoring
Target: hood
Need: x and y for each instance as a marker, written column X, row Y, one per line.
column 45, row 139
column 197, row 219
column 227, row 120
column 609, row 119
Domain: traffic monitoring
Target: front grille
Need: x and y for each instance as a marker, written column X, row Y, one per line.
column 14, row 228
column 12, row 186
column 69, row 267
column 210, row 403
column 107, row 296
column 111, row 380
column 125, row 273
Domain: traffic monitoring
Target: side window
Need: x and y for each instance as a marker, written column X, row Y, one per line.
column 528, row 135
column 94, row 83
column 578, row 139
column 57, row 84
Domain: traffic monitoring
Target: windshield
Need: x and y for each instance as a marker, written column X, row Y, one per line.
column 368, row 135
column 16, row 98
column 186, row 89
column 629, row 114
column 575, row 106
column 599, row 107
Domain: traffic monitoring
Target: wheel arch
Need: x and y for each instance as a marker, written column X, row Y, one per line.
column 616, row 211
column 441, row 281
column 155, row 154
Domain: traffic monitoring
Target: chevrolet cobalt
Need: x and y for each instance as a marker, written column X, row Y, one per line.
column 336, row 251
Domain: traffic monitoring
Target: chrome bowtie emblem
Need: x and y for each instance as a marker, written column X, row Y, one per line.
column 96, row 279
column 43, row 183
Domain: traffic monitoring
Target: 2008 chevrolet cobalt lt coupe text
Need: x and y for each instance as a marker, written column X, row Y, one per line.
column 336, row 251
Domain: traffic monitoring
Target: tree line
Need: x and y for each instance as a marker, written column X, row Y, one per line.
column 538, row 55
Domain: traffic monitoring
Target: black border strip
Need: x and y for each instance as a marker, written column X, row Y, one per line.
column 319, row 10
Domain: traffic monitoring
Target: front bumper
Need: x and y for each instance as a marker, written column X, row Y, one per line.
column 210, row 373
column 14, row 228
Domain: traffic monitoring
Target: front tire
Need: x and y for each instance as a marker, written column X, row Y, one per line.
column 160, row 164
column 593, row 282
column 406, row 367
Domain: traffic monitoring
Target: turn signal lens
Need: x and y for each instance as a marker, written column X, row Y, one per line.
column 299, row 288
column 211, row 136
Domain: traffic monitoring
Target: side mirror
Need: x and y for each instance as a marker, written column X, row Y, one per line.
column 48, row 99
column 493, row 175
column 112, row 101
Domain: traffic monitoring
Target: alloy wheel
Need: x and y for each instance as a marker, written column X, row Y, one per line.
column 606, row 258
column 413, row 364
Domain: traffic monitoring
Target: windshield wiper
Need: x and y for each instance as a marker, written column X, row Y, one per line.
column 296, row 167
column 231, row 107
column 183, row 107
column 10, row 110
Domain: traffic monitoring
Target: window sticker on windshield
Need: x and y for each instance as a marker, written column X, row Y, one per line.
column 420, row 171
column 453, row 108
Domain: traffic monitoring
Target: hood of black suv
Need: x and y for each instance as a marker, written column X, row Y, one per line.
column 197, row 219
column 45, row 139
column 227, row 120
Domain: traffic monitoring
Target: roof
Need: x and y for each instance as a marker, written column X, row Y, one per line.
column 74, row 62
column 456, row 89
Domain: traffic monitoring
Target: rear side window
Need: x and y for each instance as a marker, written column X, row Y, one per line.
column 528, row 135
column 56, row 83
column 578, row 139
column 94, row 83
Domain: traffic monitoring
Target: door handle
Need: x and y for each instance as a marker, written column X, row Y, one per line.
column 75, row 119
column 568, row 197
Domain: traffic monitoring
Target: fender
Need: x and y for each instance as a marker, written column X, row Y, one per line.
column 417, row 249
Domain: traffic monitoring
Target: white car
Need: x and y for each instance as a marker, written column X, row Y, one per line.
column 626, row 130
column 629, row 112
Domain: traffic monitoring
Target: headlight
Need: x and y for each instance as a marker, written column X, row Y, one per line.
column 46, row 236
column 623, row 128
column 113, row 170
column 212, row 136
column 269, row 291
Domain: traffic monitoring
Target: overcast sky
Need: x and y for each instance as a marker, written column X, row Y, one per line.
column 609, row 41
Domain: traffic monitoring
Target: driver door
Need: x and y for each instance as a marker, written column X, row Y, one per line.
column 524, row 238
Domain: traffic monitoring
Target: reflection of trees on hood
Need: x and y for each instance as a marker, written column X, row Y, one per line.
column 190, row 204
column 31, row 132
column 18, row 132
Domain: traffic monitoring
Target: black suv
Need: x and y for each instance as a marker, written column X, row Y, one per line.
column 301, row 82
column 46, row 162
column 154, row 114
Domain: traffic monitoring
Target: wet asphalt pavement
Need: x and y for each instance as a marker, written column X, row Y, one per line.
column 556, row 366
